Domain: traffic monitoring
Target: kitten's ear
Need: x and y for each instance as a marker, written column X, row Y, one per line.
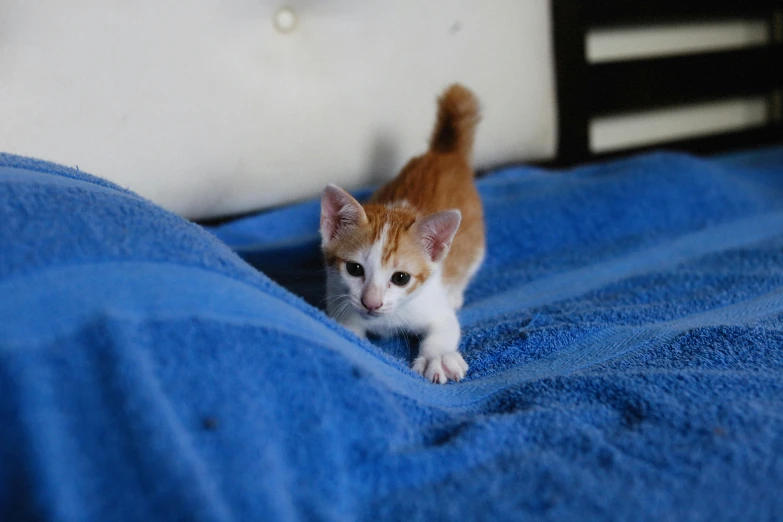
column 339, row 211
column 436, row 231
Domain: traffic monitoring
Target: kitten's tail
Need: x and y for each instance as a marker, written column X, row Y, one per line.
column 458, row 115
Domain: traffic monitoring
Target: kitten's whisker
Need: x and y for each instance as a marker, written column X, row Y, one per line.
column 342, row 308
column 339, row 317
column 410, row 328
column 336, row 299
column 412, row 331
column 400, row 328
column 329, row 299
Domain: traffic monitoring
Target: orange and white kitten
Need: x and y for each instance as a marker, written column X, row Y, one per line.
column 406, row 257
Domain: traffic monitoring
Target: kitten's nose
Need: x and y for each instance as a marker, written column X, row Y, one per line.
column 371, row 304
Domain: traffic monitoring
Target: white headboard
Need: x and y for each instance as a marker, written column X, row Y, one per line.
column 208, row 108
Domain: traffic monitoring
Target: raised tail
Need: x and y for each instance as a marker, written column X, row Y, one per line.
column 458, row 115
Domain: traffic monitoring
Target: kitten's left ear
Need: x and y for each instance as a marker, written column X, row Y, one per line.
column 436, row 231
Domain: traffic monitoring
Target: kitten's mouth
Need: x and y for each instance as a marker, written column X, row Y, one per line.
column 367, row 314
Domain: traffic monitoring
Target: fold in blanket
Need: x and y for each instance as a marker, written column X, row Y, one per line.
column 624, row 337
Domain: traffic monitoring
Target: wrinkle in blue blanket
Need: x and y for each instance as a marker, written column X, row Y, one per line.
column 624, row 337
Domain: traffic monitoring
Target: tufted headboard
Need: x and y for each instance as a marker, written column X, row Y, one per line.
column 215, row 107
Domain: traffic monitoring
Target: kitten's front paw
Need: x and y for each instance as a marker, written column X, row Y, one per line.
column 441, row 368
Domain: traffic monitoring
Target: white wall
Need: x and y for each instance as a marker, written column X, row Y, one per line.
column 207, row 109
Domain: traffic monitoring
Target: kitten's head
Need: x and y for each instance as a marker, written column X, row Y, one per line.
column 376, row 256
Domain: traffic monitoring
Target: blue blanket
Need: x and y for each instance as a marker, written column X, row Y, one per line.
column 624, row 338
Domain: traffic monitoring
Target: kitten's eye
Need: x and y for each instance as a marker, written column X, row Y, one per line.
column 400, row 278
column 354, row 269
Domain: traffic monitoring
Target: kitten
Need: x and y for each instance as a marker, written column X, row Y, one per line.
column 405, row 258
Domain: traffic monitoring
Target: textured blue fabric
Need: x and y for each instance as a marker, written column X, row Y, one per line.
column 624, row 338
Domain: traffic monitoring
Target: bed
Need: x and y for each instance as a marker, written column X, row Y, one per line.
column 624, row 339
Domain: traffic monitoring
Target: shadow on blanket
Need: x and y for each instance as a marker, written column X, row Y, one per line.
column 624, row 338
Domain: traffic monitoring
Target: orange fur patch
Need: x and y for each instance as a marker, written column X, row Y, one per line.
column 444, row 180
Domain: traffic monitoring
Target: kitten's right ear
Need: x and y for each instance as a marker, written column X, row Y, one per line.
column 339, row 212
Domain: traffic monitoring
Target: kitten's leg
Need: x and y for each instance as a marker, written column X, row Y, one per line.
column 355, row 325
column 456, row 296
column 438, row 359
column 456, row 290
column 349, row 320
